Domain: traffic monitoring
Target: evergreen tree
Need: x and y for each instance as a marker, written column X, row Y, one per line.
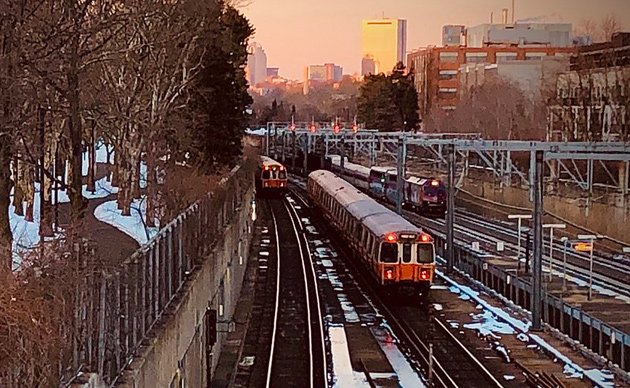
column 219, row 101
column 389, row 103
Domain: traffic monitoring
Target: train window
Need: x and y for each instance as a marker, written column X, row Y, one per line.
column 425, row 253
column 406, row 253
column 282, row 174
column 389, row 252
column 266, row 174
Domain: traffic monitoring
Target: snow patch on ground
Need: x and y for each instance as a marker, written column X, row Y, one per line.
column 602, row 378
column 349, row 312
column 133, row 225
column 25, row 233
column 103, row 188
column 487, row 323
column 458, row 288
column 344, row 375
column 143, row 175
column 101, row 154
column 407, row 376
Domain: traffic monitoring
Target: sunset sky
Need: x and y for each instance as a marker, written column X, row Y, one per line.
column 296, row 33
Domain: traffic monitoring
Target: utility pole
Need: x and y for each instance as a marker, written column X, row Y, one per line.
column 342, row 151
column 294, row 145
column 306, row 141
column 450, row 213
column 537, row 265
column 267, row 140
column 400, row 172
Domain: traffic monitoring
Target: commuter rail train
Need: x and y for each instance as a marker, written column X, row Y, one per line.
column 271, row 177
column 424, row 195
column 399, row 255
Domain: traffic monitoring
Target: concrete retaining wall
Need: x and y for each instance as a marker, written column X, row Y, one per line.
column 179, row 351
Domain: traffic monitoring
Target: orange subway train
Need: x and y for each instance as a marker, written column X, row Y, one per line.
column 399, row 255
column 271, row 177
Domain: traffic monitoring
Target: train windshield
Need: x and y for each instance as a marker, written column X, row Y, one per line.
column 266, row 174
column 406, row 253
column 282, row 174
column 375, row 175
column 389, row 253
column 435, row 190
column 425, row 253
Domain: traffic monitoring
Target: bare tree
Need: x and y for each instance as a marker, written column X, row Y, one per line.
column 599, row 31
column 497, row 109
column 609, row 25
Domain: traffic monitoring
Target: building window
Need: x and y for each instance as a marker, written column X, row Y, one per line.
column 448, row 56
column 446, row 93
column 476, row 57
column 534, row 56
column 504, row 57
column 447, row 74
column 448, row 108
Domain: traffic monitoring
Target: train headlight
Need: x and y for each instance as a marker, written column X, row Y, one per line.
column 389, row 273
column 425, row 274
column 425, row 238
column 391, row 237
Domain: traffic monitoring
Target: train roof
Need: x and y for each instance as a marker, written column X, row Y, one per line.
column 376, row 217
column 336, row 159
column 267, row 161
column 383, row 169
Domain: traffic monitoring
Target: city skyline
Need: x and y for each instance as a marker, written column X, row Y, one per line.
column 299, row 33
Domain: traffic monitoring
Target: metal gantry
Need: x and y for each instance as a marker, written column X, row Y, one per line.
column 459, row 154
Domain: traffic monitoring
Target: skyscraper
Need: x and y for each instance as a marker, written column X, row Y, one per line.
column 385, row 42
column 256, row 64
column 326, row 72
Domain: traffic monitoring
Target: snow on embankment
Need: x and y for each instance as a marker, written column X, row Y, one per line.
column 132, row 225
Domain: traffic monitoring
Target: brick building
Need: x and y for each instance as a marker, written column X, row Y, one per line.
column 436, row 69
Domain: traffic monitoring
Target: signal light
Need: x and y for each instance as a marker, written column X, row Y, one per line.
column 313, row 128
column 583, row 247
column 292, row 127
column 390, row 237
column 355, row 128
column 336, row 128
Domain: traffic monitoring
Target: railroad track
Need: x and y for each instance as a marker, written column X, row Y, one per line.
column 607, row 273
column 452, row 364
column 286, row 330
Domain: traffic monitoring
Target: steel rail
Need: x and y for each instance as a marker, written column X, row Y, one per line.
column 319, row 310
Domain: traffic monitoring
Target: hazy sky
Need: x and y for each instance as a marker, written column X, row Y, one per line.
column 296, row 33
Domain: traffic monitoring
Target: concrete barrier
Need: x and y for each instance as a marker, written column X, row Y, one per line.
column 178, row 350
